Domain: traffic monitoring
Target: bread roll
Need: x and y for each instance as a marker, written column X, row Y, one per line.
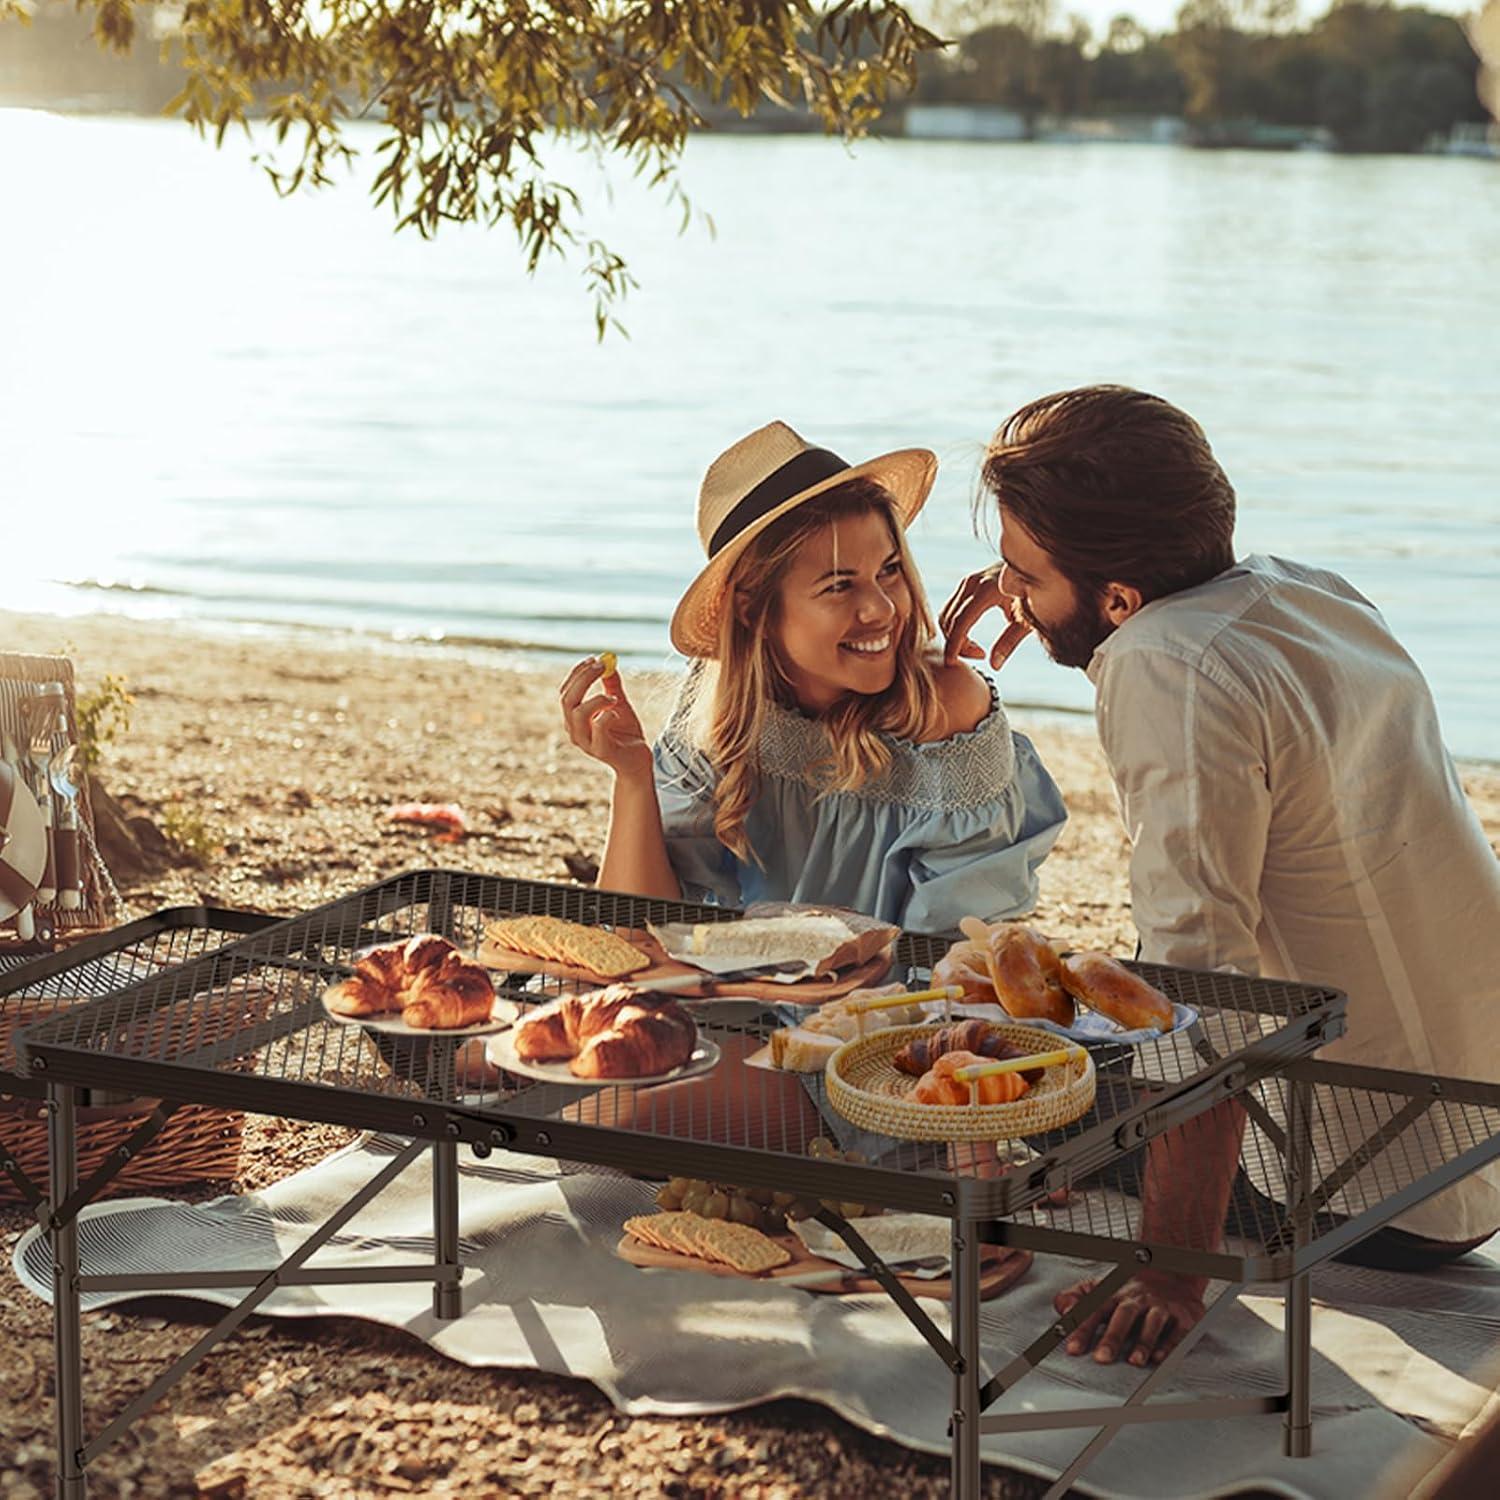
column 966, row 965
column 1107, row 986
column 1027, row 975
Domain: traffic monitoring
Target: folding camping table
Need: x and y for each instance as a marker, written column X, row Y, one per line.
column 1338, row 1150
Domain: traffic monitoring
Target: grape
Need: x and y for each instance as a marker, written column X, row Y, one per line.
column 803, row 1208
column 682, row 1186
column 715, row 1206
column 667, row 1199
column 783, row 1200
column 821, row 1146
column 856, row 1158
column 693, row 1203
column 743, row 1211
column 759, row 1195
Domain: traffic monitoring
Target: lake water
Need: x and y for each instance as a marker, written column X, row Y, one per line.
column 218, row 404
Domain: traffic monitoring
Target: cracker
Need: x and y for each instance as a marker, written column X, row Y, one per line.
column 690, row 1234
column 742, row 1247
column 539, row 936
column 647, row 1229
column 505, row 934
column 600, row 952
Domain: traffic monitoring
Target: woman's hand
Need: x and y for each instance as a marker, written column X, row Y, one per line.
column 604, row 726
column 1151, row 1312
column 978, row 594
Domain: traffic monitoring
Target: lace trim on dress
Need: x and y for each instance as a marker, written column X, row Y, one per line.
column 966, row 770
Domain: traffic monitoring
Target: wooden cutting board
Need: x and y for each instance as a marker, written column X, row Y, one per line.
column 804, row 992
column 1000, row 1269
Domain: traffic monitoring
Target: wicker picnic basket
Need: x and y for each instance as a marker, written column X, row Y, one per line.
column 867, row 1089
column 199, row 1143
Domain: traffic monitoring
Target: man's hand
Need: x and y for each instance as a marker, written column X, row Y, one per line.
column 976, row 596
column 1146, row 1317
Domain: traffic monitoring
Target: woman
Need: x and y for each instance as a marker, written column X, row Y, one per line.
column 820, row 750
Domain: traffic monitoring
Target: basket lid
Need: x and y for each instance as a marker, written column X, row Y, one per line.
column 23, row 843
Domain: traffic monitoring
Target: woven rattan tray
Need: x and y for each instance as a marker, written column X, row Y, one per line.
column 867, row 1089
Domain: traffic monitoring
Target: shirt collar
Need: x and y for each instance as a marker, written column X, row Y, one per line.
column 1095, row 669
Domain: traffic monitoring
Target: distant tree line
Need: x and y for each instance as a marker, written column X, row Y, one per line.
column 1376, row 76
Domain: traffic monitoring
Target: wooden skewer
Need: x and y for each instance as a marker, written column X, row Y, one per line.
column 888, row 1002
column 975, row 1071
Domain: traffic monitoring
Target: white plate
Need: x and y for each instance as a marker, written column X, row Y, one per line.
column 502, row 1052
column 1095, row 1030
column 389, row 1023
column 1091, row 1028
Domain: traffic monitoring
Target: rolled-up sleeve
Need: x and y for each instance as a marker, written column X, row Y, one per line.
column 684, row 789
column 1187, row 755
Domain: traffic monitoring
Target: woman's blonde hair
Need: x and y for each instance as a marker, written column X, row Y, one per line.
column 728, row 698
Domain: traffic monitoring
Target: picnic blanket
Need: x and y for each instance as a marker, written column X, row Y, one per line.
column 1400, row 1363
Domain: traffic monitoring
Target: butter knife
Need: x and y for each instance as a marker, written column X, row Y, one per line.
column 676, row 982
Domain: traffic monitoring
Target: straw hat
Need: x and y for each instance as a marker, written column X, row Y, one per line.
column 757, row 481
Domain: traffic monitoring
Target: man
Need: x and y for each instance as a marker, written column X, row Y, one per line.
column 1292, row 811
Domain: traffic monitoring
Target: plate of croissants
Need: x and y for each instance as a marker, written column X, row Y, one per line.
column 617, row 1035
column 1087, row 997
column 416, row 986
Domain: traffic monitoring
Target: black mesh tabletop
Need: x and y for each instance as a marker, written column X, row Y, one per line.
column 246, row 1026
column 33, row 988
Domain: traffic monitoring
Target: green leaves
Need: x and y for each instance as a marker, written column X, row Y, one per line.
column 472, row 95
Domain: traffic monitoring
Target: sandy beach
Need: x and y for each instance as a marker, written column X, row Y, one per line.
column 289, row 750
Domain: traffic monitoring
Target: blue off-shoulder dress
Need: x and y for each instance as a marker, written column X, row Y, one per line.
column 950, row 829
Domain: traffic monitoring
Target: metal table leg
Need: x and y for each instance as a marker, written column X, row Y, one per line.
column 62, row 1144
column 447, row 1294
column 964, row 1307
column 1298, row 1427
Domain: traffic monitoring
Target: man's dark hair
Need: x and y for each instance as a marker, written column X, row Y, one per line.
column 1116, row 486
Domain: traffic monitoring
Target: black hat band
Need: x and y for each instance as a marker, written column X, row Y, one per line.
column 811, row 466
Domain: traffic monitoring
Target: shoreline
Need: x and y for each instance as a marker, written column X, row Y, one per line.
column 489, row 653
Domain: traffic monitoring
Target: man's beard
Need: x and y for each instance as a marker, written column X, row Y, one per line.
column 1073, row 642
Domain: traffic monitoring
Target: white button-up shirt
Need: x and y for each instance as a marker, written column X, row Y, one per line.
column 1293, row 813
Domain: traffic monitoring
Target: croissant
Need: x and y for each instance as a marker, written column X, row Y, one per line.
column 363, row 996
column 384, row 965
column 973, row 1036
column 425, row 977
column 939, row 1086
column 543, row 1037
column 966, row 964
column 1107, row 986
column 425, row 951
column 612, row 1033
column 449, row 994
column 644, row 1043
column 1027, row 975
